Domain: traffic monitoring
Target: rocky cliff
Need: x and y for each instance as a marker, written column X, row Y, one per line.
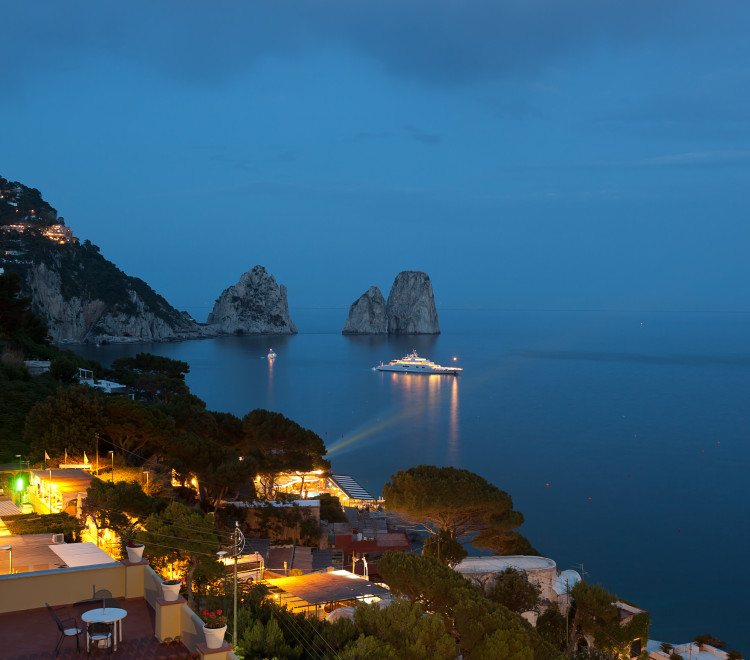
column 411, row 305
column 367, row 315
column 82, row 297
column 255, row 305
column 410, row 309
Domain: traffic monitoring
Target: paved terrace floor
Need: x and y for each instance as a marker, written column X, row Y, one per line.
column 33, row 634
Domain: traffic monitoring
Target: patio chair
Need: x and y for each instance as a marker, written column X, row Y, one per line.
column 99, row 632
column 68, row 628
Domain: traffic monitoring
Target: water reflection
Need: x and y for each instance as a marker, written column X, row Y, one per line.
column 453, row 434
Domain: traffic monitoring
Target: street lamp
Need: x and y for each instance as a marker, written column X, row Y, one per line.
column 9, row 548
column 112, row 454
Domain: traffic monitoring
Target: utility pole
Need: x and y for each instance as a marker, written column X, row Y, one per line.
column 239, row 541
column 222, row 554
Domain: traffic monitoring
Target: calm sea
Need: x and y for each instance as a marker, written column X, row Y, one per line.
column 622, row 437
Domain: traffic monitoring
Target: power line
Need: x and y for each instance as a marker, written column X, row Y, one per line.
column 298, row 634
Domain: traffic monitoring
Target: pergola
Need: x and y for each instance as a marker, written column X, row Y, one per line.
column 317, row 594
column 55, row 488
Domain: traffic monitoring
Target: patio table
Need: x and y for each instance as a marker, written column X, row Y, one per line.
column 106, row 615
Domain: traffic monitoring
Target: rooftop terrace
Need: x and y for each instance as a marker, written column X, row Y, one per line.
column 33, row 634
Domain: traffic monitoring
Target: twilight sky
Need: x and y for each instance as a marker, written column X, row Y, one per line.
column 525, row 153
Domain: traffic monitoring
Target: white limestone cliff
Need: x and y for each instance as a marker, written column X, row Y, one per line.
column 80, row 318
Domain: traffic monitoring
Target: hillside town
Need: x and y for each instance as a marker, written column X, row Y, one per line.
column 257, row 547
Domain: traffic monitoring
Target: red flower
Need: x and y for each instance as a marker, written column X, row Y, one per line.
column 205, row 612
column 218, row 612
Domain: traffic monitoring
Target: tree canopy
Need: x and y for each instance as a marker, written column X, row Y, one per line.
column 130, row 426
column 119, row 506
column 67, row 421
column 458, row 502
column 16, row 318
column 154, row 377
column 184, row 539
column 597, row 616
column 483, row 628
column 401, row 631
column 283, row 446
column 513, row 589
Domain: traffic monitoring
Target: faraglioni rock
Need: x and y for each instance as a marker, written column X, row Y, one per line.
column 255, row 305
column 367, row 315
column 411, row 305
column 410, row 309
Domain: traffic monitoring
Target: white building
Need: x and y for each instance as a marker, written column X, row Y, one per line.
column 555, row 585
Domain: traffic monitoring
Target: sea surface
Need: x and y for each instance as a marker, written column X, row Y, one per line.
column 622, row 437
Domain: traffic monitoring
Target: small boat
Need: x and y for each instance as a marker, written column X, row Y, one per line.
column 271, row 354
column 413, row 364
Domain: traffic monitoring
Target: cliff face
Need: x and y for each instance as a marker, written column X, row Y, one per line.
column 410, row 309
column 66, row 286
column 411, row 305
column 82, row 297
column 255, row 305
column 367, row 315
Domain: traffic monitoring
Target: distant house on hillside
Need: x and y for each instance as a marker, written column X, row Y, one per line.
column 86, row 377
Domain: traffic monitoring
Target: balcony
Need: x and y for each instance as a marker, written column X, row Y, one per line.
column 153, row 628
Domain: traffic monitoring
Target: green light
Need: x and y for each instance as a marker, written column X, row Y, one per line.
column 19, row 484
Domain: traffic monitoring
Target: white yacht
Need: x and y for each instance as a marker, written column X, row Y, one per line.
column 413, row 364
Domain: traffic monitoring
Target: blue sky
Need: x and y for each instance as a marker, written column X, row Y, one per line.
column 528, row 154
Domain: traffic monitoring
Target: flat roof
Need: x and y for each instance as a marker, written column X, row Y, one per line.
column 81, row 554
column 65, row 481
column 496, row 564
column 328, row 587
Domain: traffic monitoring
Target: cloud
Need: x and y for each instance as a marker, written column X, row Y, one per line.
column 423, row 137
column 443, row 42
column 702, row 158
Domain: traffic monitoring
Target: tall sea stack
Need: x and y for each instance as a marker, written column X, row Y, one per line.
column 411, row 305
column 410, row 309
column 255, row 305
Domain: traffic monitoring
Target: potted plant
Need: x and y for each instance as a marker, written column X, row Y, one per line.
column 214, row 627
column 135, row 551
column 171, row 589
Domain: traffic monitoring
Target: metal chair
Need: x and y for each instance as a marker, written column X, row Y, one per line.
column 68, row 628
column 99, row 632
column 102, row 593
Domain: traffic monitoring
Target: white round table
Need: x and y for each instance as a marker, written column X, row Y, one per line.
column 105, row 615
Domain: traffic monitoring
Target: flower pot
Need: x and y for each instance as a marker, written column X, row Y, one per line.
column 215, row 636
column 171, row 591
column 135, row 553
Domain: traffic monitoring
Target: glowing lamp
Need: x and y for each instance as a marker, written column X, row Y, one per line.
column 19, row 484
